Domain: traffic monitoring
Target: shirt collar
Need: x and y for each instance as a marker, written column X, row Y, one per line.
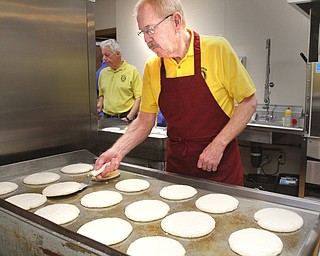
column 190, row 52
column 191, row 49
column 122, row 67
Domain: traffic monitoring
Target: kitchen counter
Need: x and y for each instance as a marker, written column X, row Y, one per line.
column 270, row 134
column 150, row 153
column 294, row 129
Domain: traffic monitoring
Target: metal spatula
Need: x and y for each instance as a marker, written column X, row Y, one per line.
column 91, row 175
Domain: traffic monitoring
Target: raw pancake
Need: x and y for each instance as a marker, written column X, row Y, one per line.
column 255, row 242
column 77, row 168
column 41, row 178
column 59, row 213
column 278, row 220
column 61, row 189
column 147, row 210
column 132, row 185
column 109, row 176
column 178, row 192
column 156, row 246
column 106, row 230
column 217, row 203
column 101, row 199
column 188, row 224
column 7, row 187
column 27, row 201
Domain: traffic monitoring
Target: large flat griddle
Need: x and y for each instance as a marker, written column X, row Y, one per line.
column 301, row 242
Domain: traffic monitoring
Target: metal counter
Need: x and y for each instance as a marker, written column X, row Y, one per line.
column 24, row 233
column 150, row 153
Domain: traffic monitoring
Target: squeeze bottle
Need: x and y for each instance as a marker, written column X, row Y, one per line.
column 288, row 117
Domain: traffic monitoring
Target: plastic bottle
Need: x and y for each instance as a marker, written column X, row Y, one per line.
column 288, row 117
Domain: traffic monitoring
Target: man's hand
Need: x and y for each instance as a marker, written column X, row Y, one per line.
column 211, row 157
column 108, row 156
column 99, row 104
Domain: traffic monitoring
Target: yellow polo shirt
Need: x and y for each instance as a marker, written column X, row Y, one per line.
column 224, row 74
column 120, row 88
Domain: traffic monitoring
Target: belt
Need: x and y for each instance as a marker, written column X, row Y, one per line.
column 122, row 115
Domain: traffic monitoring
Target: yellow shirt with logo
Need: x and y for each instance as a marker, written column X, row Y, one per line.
column 120, row 88
column 224, row 74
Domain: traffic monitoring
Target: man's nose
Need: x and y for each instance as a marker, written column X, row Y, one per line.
column 147, row 38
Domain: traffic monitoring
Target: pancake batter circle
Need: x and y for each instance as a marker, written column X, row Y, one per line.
column 61, row 189
column 76, row 168
column 106, row 230
column 27, row 201
column 278, row 220
column 156, row 246
column 100, row 199
column 132, row 185
column 41, row 178
column 147, row 210
column 217, row 203
column 7, row 187
column 255, row 242
column 188, row 224
column 59, row 213
column 177, row 192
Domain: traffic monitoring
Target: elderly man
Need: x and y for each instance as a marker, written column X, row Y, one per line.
column 119, row 84
column 194, row 80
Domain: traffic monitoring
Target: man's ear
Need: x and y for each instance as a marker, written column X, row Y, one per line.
column 177, row 18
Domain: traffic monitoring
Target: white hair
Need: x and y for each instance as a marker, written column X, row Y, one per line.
column 113, row 44
column 162, row 7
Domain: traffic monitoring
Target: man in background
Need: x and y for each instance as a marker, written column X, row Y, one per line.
column 119, row 84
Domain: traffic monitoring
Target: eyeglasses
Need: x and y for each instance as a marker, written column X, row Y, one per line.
column 149, row 30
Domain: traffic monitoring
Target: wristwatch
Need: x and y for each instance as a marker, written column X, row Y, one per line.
column 128, row 120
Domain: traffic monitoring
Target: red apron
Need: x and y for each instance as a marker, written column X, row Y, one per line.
column 194, row 118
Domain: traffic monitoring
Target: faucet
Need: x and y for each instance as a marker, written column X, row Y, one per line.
column 269, row 116
column 268, row 84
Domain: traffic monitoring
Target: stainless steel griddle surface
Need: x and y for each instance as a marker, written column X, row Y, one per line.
column 216, row 243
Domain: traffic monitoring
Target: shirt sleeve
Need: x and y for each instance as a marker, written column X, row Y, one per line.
column 151, row 87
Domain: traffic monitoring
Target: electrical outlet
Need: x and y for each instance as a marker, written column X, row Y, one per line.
column 282, row 158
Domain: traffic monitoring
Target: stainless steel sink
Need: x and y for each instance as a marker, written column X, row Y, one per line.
column 274, row 116
column 261, row 118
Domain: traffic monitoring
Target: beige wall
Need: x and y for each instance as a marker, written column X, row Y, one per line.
column 246, row 24
column 249, row 23
column 105, row 14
